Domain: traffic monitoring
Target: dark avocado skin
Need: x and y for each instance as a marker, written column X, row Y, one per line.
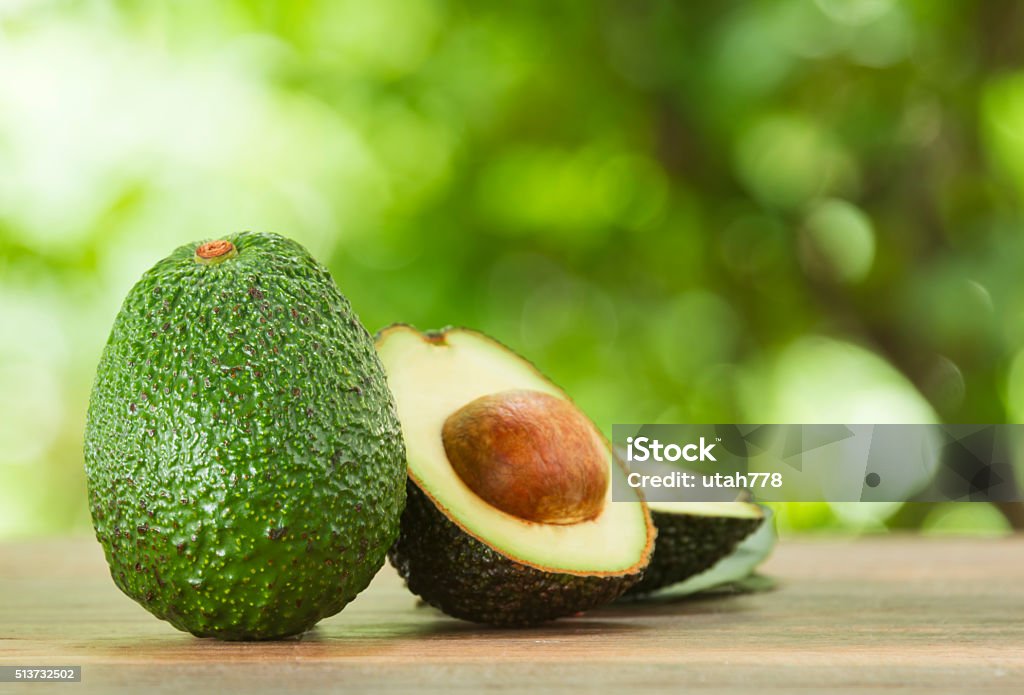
column 463, row 577
column 245, row 462
column 688, row 545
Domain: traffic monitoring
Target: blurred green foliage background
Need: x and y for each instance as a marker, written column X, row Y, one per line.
column 765, row 211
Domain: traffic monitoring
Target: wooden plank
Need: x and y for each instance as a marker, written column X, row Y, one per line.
column 913, row 614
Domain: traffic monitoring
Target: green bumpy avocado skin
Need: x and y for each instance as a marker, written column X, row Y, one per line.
column 688, row 545
column 454, row 572
column 245, row 462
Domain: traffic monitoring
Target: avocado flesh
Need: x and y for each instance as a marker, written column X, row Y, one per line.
column 245, row 463
column 459, row 553
column 692, row 537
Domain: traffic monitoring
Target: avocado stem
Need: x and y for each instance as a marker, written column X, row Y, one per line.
column 215, row 251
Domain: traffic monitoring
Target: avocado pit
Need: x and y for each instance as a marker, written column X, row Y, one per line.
column 530, row 454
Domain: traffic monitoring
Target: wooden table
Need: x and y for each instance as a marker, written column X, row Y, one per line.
column 918, row 615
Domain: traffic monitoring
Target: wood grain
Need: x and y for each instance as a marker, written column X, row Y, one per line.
column 886, row 614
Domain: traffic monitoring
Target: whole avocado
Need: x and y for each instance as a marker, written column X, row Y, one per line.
column 245, row 464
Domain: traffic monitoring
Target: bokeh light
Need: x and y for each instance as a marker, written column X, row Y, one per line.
column 771, row 211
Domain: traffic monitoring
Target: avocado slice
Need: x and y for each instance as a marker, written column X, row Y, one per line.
column 737, row 570
column 692, row 537
column 485, row 560
column 245, row 464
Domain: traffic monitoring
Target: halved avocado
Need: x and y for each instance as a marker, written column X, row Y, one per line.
column 692, row 537
column 469, row 405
